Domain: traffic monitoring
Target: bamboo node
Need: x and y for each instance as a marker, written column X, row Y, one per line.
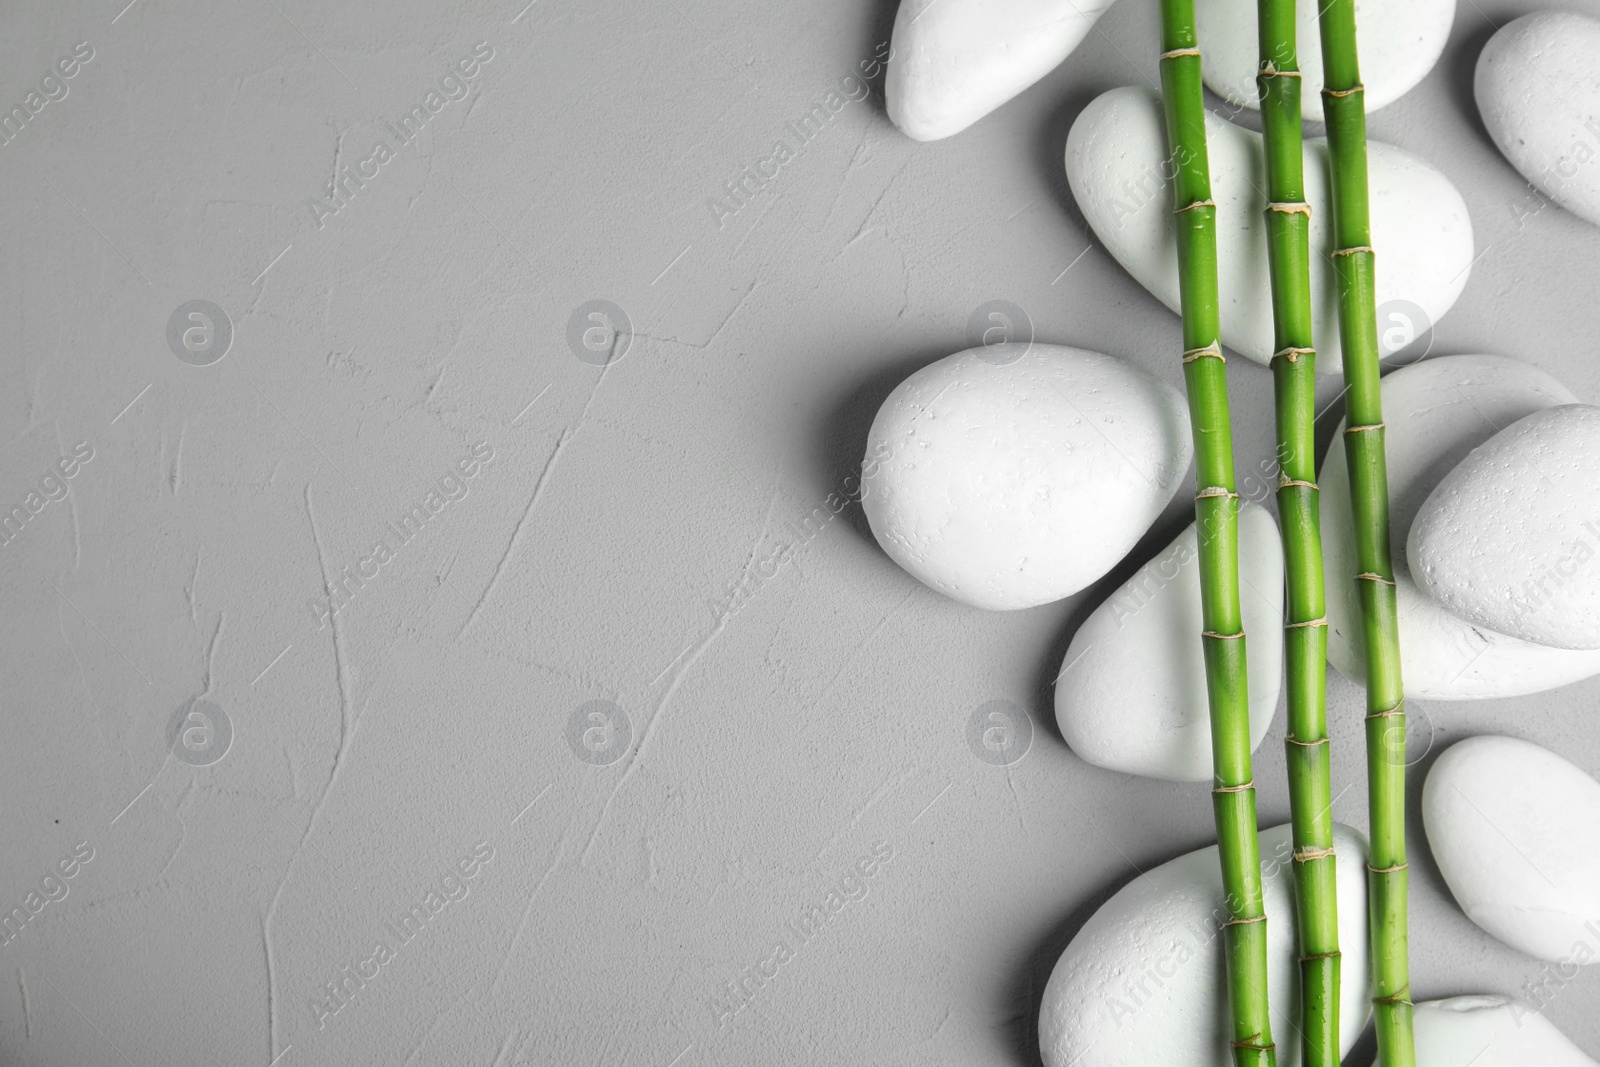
column 1339, row 93
column 1251, row 1046
column 1306, row 855
column 1246, row 922
column 1323, row 621
column 1305, row 744
column 1246, row 788
column 1271, row 70
column 1293, row 354
column 1192, row 206
column 1387, row 870
column 1212, row 491
column 1287, row 483
column 1221, row 636
column 1322, row 956
column 1210, row 351
column 1179, row 53
column 1368, row 576
column 1365, row 428
column 1290, row 207
column 1395, row 712
column 1354, row 250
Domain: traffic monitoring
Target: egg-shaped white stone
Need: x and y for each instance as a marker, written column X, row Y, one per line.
column 1131, row 696
column 1509, row 538
column 1398, row 43
column 1117, row 166
column 1490, row 1031
column 1017, row 474
column 1436, row 412
column 954, row 61
column 1142, row 982
column 1538, row 90
column 1515, row 830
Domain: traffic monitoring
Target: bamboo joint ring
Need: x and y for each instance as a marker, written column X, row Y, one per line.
column 1212, row 491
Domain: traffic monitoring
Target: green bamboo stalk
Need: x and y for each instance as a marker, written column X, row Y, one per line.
column 1217, row 514
column 1345, row 111
column 1305, row 638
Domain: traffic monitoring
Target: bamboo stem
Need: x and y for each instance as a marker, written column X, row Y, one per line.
column 1345, row 112
column 1305, row 639
column 1216, row 513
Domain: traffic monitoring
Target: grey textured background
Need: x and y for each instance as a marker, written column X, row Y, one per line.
column 771, row 746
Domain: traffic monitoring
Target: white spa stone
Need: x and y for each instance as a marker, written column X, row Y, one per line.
column 1515, row 830
column 954, row 61
column 1017, row 474
column 1399, row 45
column 1538, row 89
column 1508, row 539
column 1490, row 1031
column 1132, row 692
column 1142, row 981
column 1437, row 411
column 1117, row 165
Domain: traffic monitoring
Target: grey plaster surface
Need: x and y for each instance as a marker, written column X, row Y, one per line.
column 772, row 740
